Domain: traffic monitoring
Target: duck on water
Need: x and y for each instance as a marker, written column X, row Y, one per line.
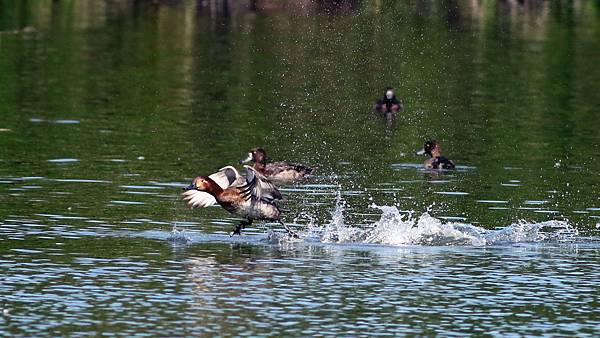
column 436, row 160
column 389, row 103
column 279, row 172
column 250, row 196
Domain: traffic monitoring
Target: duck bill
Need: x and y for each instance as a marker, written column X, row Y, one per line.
column 248, row 159
column 421, row 152
column 189, row 187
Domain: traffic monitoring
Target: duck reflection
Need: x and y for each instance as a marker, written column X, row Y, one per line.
column 231, row 268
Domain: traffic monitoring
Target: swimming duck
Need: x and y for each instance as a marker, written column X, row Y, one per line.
column 280, row 172
column 433, row 149
column 389, row 103
column 251, row 196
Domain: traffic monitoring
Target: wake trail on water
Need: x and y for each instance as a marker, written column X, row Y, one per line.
column 398, row 228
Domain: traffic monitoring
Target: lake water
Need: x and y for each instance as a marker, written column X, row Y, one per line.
column 107, row 109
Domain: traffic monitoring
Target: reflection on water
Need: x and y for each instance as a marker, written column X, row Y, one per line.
column 215, row 286
column 109, row 108
column 410, row 286
column 338, row 278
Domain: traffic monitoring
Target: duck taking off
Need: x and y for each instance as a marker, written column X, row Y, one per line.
column 251, row 196
column 280, row 172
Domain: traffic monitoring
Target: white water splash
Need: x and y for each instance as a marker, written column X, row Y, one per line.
column 337, row 231
column 179, row 236
column 394, row 228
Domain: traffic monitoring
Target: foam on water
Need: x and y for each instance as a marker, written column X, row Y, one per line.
column 179, row 236
column 395, row 228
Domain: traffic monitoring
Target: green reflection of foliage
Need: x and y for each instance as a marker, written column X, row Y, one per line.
column 500, row 84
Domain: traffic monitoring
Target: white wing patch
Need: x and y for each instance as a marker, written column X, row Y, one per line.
column 226, row 177
column 198, row 199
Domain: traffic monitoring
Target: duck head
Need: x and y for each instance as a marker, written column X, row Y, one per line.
column 200, row 183
column 390, row 93
column 431, row 148
column 256, row 155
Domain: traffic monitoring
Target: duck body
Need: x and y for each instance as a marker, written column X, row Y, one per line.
column 251, row 196
column 436, row 160
column 280, row 172
column 439, row 162
column 389, row 103
column 283, row 171
column 233, row 200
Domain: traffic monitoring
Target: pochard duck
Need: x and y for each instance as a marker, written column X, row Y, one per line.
column 251, row 196
column 389, row 103
column 437, row 161
column 280, row 172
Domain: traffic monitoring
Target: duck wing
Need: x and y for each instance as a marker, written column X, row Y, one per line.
column 227, row 177
column 224, row 177
column 258, row 187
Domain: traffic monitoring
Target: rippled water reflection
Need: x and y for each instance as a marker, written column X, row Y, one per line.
column 136, row 283
column 65, row 274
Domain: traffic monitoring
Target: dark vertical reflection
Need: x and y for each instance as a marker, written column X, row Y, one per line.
column 213, row 59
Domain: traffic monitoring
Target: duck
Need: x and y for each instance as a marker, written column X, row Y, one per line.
column 389, row 103
column 280, row 172
column 437, row 161
column 251, row 196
